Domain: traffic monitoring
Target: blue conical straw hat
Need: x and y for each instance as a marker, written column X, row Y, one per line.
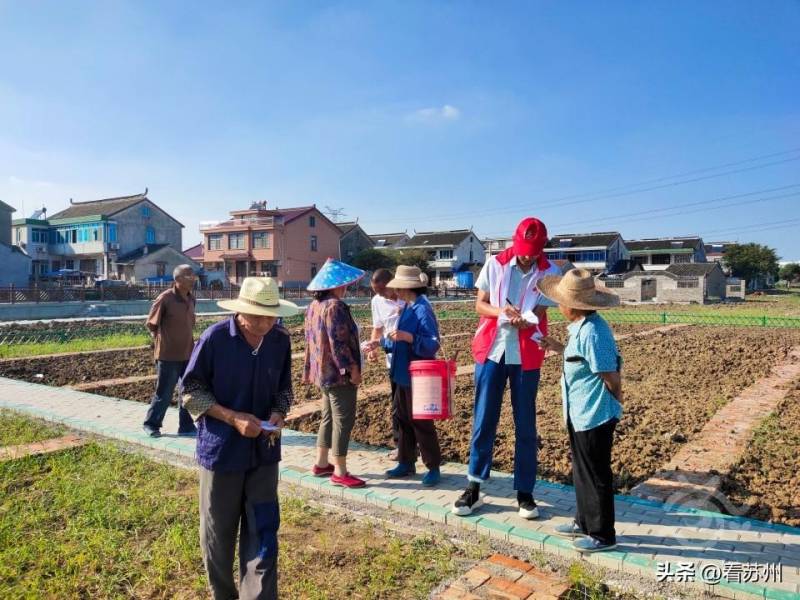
column 334, row 274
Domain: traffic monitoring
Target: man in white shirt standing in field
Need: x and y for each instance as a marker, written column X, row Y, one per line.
column 386, row 309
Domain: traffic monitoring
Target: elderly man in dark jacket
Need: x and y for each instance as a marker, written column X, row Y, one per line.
column 238, row 386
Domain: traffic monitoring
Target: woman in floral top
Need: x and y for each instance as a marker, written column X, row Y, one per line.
column 333, row 363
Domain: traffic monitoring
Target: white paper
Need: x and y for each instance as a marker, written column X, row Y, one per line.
column 530, row 317
column 267, row 426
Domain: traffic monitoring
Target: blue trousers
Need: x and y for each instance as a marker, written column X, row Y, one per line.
column 168, row 372
column 490, row 384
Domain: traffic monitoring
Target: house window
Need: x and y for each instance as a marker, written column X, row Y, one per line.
column 660, row 259
column 145, row 211
column 56, row 265
column 679, row 259
column 215, row 241
column 313, row 243
column 267, row 268
column 312, row 221
column 445, row 254
column 161, row 269
column 112, row 232
column 69, row 264
column 614, row 283
column 313, row 269
column 236, row 241
column 689, row 283
column 150, row 236
column 262, row 239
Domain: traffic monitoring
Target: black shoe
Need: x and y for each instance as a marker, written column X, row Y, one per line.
column 151, row 431
column 527, row 506
column 467, row 501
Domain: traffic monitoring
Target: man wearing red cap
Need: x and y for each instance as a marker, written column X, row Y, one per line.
column 506, row 349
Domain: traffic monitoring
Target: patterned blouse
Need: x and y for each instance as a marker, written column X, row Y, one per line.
column 332, row 345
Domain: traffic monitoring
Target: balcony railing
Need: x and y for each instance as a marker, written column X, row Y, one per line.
column 256, row 222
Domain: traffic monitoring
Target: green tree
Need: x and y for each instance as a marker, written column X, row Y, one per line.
column 371, row 259
column 751, row 262
column 412, row 258
column 790, row 272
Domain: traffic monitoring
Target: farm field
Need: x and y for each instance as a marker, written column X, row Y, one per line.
column 674, row 382
column 766, row 481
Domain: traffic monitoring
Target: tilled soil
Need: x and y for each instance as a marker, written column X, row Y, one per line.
column 80, row 368
column 673, row 383
column 766, row 482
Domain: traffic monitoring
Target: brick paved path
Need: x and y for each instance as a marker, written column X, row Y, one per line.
column 649, row 532
column 695, row 472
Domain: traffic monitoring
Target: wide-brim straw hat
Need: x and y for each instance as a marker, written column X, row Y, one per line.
column 577, row 289
column 408, row 278
column 260, row 296
column 334, row 274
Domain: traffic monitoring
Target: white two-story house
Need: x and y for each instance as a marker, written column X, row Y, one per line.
column 659, row 253
column 597, row 252
column 450, row 254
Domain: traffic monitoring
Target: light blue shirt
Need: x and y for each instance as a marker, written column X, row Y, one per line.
column 507, row 339
column 591, row 349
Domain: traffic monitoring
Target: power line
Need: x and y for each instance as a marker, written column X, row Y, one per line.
column 703, row 204
column 574, row 199
column 783, row 224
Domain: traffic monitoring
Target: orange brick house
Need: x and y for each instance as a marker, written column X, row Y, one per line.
column 287, row 243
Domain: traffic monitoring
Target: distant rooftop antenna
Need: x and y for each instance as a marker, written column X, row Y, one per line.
column 335, row 214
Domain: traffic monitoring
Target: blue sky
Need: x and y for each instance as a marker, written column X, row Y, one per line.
column 413, row 115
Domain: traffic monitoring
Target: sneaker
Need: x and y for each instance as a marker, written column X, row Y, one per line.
column 322, row 471
column 401, row 470
column 527, row 506
column 151, row 431
column 468, row 501
column 589, row 544
column 347, row 480
column 431, row 478
column 568, row 530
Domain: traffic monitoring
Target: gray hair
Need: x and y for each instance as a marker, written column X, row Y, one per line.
column 182, row 271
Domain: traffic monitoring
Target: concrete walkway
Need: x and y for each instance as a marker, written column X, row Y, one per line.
column 653, row 537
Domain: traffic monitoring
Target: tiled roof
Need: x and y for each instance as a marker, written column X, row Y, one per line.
column 195, row 251
column 105, row 207
column 663, row 244
column 140, row 252
column 583, row 240
column 692, row 269
column 432, row 239
column 290, row 214
column 388, row 239
column 346, row 227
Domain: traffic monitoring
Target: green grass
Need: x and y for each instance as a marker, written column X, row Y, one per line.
column 74, row 345
column 96, row 522
column 15, row 429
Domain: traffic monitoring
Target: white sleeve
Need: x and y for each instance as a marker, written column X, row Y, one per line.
column 377, row 318
column 482, row 282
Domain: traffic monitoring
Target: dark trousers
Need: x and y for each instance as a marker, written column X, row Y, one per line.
column 593, row 480
column 415, row 432
column 395, row 420
column 168, row 373
column 490, row 385
column 245, row 502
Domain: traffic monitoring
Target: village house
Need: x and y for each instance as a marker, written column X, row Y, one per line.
column 657, row 254
column 597, row 252
column 88, row 236
column 15, row 264
column 290, row 244
column 496, row 245
column 353, row 240
column 389, row 241
column 152, row 263
column 454, row 256
column 679, row 283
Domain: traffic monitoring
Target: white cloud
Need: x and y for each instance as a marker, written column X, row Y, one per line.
column 435, row 114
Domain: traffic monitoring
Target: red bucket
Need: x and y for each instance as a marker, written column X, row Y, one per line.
column 432, row 385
